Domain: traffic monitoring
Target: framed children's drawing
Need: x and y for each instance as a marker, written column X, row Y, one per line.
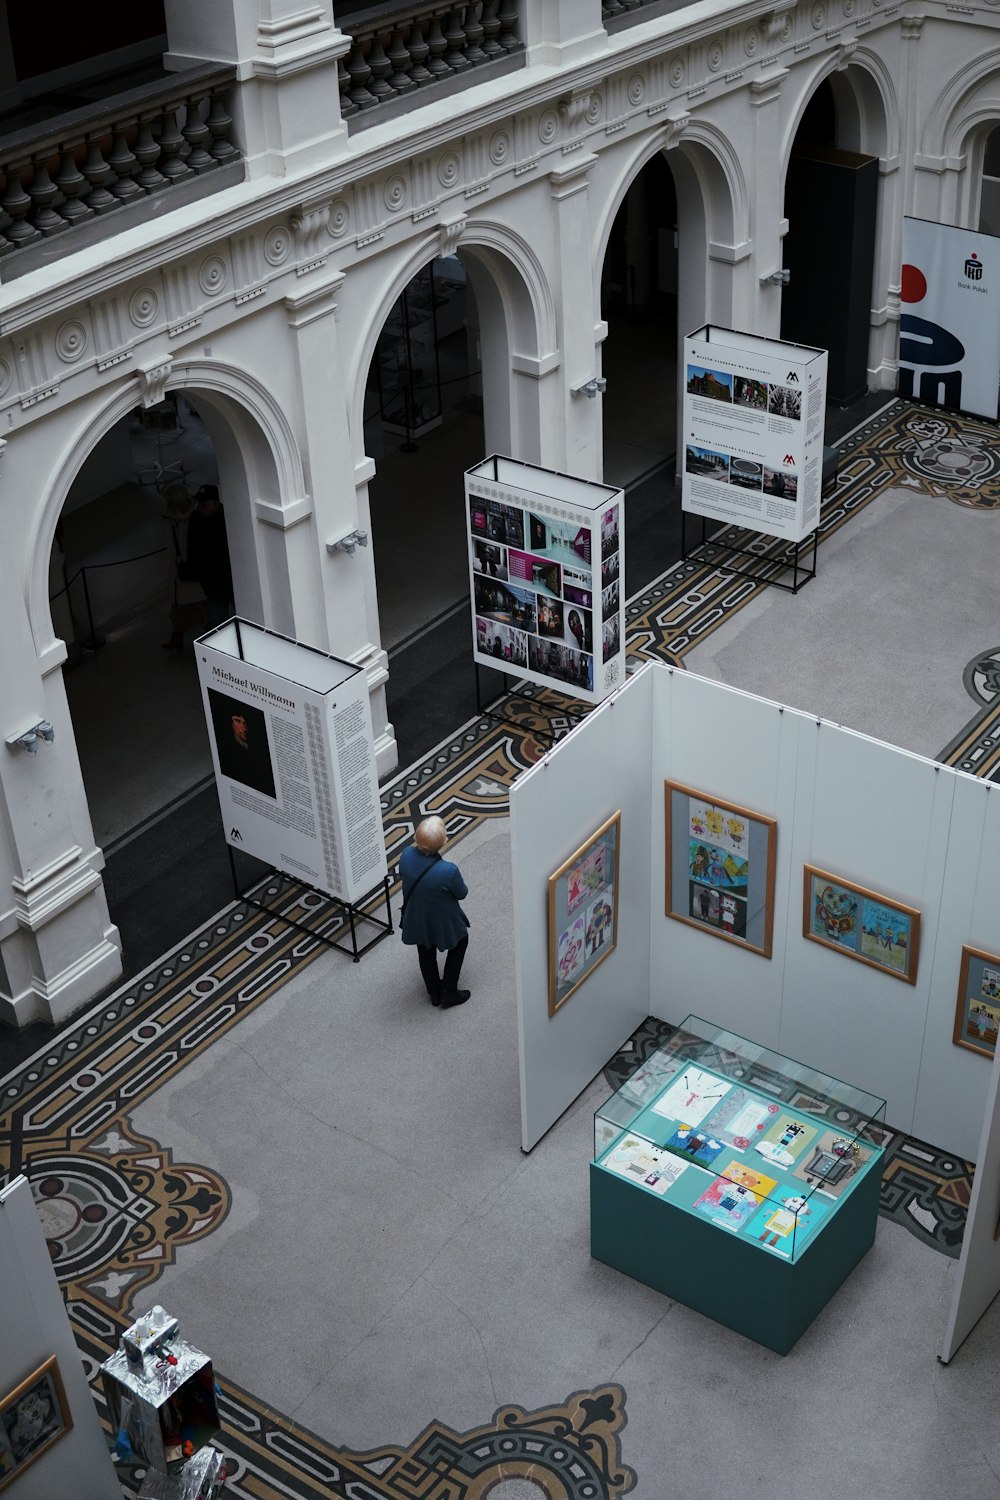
column 32, row 1417
column 720, row 867
column 977, row 1009
column 874, row 929
column 583, row 912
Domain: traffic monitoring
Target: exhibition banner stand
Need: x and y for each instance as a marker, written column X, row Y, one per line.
column 291, row 736
column 753, row 449
column 948, row 342
column 546, row 557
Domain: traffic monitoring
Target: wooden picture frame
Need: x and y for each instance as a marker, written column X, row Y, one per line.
column 874, row 929
column 583, row 905
column 33, row 1416
column 720, row 864
column 977, row 1007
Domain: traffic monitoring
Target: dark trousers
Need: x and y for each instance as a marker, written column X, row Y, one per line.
column 436, row 985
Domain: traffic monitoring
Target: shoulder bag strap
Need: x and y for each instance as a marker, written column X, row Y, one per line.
column 413, row 887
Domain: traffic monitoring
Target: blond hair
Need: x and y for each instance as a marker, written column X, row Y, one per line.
column 431, row 835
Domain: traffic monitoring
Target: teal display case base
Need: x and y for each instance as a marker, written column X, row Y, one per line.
column 728, row 1278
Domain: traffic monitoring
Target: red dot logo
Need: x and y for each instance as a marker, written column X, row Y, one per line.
column 914, row 287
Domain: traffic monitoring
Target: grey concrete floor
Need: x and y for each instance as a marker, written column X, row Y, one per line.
column 904, row 598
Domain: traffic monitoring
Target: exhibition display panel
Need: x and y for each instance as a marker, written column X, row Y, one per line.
column 736, row 1180
column 546, row 557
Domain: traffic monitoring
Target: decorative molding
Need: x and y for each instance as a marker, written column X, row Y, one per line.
column 283, row 517
column 153, row 381
column 845, row 53
column 777, row 23
column 450, row 233
column 45, row 892
column 731, row 255
column 41, row 394
column 575, row 110
column 310, row 224
column 536, row 366
column 674, row 128
column 303, row 308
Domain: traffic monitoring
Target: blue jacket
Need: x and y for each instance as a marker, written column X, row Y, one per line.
column 433, row 919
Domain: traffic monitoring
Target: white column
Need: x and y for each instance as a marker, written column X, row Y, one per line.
column 333, row 595
column 58, row 947
column 571, row 427
column 285, row 53
column 562, row 31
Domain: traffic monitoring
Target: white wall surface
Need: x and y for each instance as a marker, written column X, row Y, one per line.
column 877, row 816
column 35, row 1326
column 952, row 1078
column 978, row 1279
column 734, row 746
column 880, row 818
column 599, row 769
column 893, row 822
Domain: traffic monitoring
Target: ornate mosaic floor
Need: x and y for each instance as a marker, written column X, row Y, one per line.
column 118, row 1208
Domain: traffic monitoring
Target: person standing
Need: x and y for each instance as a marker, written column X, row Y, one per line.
column 208, row 554
column 433, row 920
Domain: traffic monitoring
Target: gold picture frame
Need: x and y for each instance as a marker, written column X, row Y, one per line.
column 977, row 1006
column 33, row 1416
column 876, row 930
column 720, row 867
column 583, row 905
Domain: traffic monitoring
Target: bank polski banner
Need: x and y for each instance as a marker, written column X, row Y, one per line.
column 949, row 324
column 290, row 731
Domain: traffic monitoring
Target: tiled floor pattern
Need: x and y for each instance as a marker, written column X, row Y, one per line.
column 117, row 1208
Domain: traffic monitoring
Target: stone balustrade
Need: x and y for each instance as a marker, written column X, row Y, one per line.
column 398, row 50
column 83, row 165
column 616, row 14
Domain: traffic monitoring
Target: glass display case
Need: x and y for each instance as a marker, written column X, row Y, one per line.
column 727, row 1153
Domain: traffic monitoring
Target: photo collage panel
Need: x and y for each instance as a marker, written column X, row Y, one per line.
column 777, row 404
column 752, row 1165
column 611, row 582
column 533, row 591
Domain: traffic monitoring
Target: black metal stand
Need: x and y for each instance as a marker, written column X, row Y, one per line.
column 789, row 558
column 354, row 911
column 509, row 695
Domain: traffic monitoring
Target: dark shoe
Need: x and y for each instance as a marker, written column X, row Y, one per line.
column 435, row 999
column 455, row 997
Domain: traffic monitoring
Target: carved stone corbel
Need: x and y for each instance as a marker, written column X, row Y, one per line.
column 773, row 24
column 574, row 110
column 309, row 225
column 450, row 233
column 153, row 381
column 675, row 125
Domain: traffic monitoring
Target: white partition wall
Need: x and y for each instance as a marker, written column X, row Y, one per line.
column 736, row 747
column 895, row 823
column 879, row 817
column 969, row 913
column 601, row 768
column 35, row 1327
